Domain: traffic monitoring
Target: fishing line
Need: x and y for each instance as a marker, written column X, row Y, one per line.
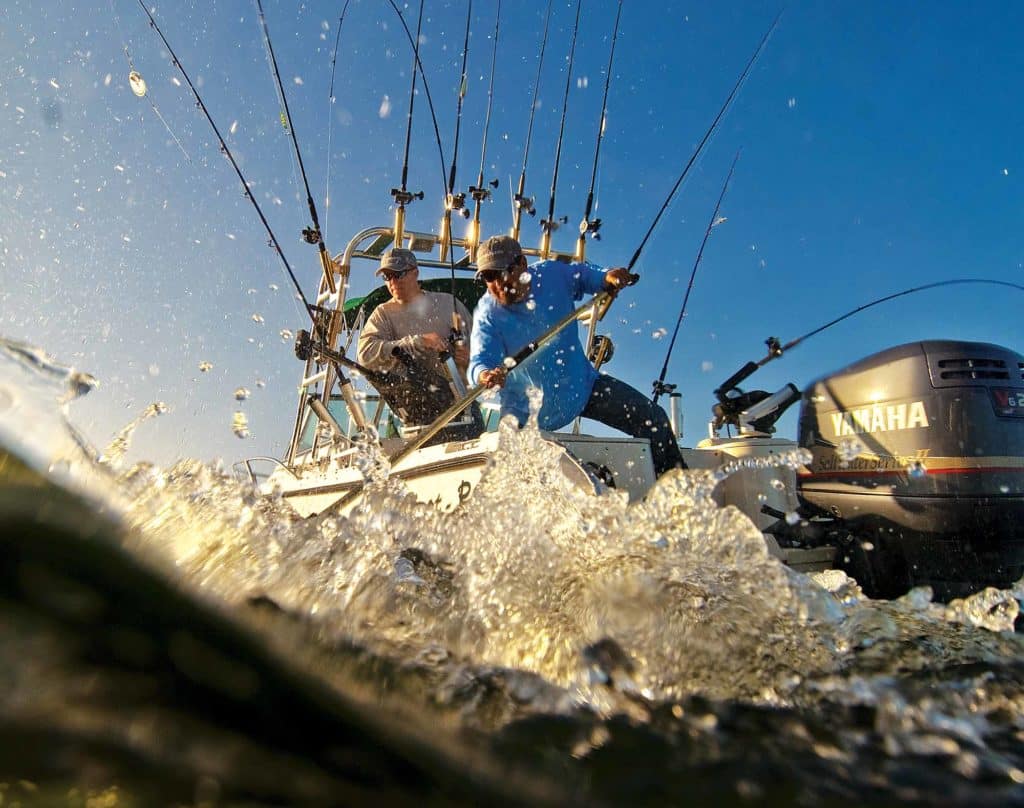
column 588, row 226
column 660, row 386
column 704, row 140
column 519, row 201
column 138, row 84
column 330, row 122
column 549, row 225
column 311, row 310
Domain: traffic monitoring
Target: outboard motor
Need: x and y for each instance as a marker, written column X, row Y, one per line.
column 918, row 452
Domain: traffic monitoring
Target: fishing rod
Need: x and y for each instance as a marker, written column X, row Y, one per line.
column 481, row 191
column 454, row 201
column 310, row 309
column 703, row 142
column 414, row 44
column 777, row 349
column 520, row 201
column 549, row 225
column 311, row 235
column 659, row 385
column 403, row 196
column 590, row 226
column 330, row 120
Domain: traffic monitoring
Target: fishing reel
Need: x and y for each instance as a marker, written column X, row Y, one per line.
column 591, row 227
column 311, row 235
column 663, row 388
column 551, row 225
column 303, row 345
column 524, row 203
column 403, row 197
column 458, row 202
column 482, row 193
column 602, row 349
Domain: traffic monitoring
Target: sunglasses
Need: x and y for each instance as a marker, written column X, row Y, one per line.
column 491, row 275
column 389, row 275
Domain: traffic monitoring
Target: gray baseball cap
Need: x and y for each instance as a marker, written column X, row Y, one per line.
column 397, row 260
column 498, row 252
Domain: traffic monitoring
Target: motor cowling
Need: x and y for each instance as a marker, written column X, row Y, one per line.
column 920, row 448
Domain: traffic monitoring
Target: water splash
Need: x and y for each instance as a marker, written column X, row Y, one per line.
column 118, row 448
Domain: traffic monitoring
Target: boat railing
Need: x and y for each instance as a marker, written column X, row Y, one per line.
column 244, row 472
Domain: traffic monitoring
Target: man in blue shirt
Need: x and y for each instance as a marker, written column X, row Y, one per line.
column 524, row 301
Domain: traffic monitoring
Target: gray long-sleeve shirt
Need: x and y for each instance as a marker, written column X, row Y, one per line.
column 401, row 325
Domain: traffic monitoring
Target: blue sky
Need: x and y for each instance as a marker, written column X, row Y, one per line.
column 880, row 143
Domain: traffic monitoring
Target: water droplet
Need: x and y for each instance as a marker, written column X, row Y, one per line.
column 509, row 362
column 205, row 366
column 778, row 485
column 1006, row 172
column 762, row 498
column 154, row 370
column 791, row 103
column 242, row 393
column 234, row 127
column 1004, row 489
column 298, row 81
column 257, row 318
column 107, row 79
column 385, row 108
column 706, row 366
column 531, row 304
column 526, row 277
column 582, row 82
column 54, row 84
column 659, row 333
column 286, row 335
column 792, row 517
column 240, row 425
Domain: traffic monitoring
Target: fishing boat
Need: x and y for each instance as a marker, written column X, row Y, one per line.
column 908, row 464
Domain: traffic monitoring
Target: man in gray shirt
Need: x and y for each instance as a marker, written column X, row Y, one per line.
column 408, row 338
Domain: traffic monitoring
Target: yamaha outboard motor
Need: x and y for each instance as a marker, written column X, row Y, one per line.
column 919, row 454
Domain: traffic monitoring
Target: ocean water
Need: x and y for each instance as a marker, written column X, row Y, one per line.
column 170, row 635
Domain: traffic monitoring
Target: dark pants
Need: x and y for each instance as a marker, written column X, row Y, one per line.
column 616, row 404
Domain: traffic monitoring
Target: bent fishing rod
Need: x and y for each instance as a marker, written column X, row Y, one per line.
column 777, row 349
column 310, row 309
column 311, row 235
column 520, row 201
column 703, row 141
column 549, row 225
column 596, row 304
column 659, row 385
column 481, row 192
column 591, row 227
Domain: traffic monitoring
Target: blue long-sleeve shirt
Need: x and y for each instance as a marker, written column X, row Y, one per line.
column 561, row 369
